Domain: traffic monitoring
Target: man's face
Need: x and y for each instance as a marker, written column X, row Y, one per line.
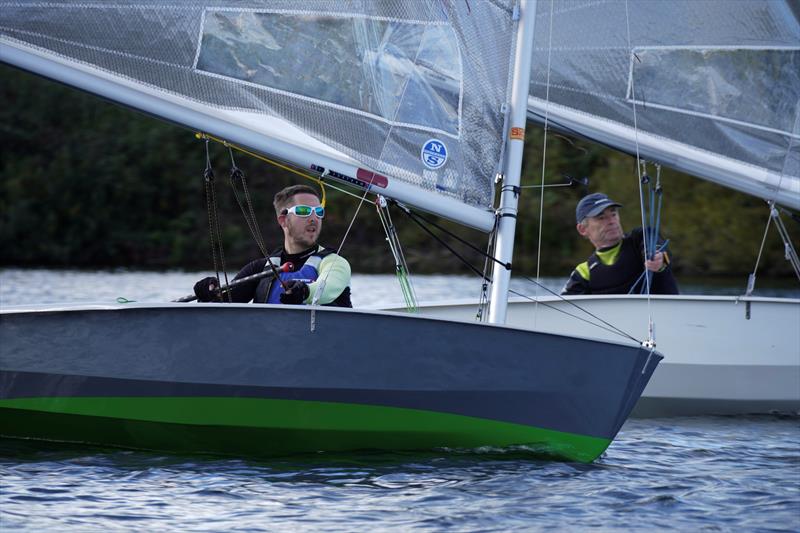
column 604, row 230
column 300, row 233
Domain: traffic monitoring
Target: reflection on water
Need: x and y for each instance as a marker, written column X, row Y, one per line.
column 687, row 474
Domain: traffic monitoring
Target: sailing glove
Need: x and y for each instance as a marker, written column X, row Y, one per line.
column 205, row 289
column 296, row 292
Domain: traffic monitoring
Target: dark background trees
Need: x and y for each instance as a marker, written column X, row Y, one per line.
column 86, row 183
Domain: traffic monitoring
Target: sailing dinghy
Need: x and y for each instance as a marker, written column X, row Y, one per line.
column 710, row 88
column 412, row 100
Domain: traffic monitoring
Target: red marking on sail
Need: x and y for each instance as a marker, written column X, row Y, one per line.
column 372, row 178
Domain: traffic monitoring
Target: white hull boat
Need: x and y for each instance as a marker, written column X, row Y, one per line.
column 726, row 355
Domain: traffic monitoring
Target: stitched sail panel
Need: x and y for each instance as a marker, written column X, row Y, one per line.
column 410, row 89
column 714, row 75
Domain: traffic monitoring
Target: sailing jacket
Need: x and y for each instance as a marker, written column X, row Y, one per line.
column 619, row 270
column 312, row 266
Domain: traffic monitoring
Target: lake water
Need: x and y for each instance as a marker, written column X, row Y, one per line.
column 684, row 474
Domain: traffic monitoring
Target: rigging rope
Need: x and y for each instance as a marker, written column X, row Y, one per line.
column 416, row 218
column 214, row 230
column 544, row 160
column 650, row 327
column 323, row 281
column 608, row 326
column 651, row 231
column 483, row 296
column 789, row 251
column 401, row 267
column 237, row 175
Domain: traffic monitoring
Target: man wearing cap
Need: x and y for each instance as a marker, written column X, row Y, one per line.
column 617, row 264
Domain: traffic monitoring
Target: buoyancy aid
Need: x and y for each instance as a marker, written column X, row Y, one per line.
column 268, row 291
column 308, row 273
column 618, row 277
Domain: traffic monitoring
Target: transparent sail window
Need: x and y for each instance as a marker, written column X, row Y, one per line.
column 717, row 83
column 404, row 73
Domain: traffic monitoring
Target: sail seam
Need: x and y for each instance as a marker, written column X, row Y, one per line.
column 668, row 108
column 581, row 91
column 156, row 7
column 85, row 47
column 655, row 136
column 329, row 14
column 338, row 107
column 203, row 73
column 580, row 7
column 713, row 118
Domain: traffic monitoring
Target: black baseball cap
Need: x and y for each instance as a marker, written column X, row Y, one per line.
column 592, row 205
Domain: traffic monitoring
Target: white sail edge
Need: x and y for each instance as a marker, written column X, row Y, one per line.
column 263, row 134
column 749, row 179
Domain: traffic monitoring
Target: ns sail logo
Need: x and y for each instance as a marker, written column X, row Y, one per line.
column 434, row 154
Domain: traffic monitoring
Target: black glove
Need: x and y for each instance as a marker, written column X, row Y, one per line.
column 205, row 289
column 296, row 292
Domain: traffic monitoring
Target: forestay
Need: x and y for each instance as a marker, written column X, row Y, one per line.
column 715, row 84
column 410, row 90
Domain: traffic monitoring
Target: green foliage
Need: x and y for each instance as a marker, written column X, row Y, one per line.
column 86, row 183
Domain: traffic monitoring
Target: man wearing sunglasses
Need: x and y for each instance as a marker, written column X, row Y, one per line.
column 315, row 268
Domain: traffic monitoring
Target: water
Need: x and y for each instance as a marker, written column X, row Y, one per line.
column 685, row 474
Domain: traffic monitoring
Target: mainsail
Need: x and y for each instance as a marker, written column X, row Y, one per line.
column 406, row 97
column 715, row 85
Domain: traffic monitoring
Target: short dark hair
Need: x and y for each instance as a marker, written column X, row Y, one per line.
column 282, row 197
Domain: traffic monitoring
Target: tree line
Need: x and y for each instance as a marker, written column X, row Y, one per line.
column 86, row 184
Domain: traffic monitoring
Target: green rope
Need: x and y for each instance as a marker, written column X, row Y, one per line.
column 405, row 287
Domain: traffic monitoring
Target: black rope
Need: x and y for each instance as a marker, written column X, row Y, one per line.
column 237, row 175
column 793, row 216
column 214, row 230
column 612, row 326
column 611, row 329
column 483, row 300
column 414, row 216
column 452, row 251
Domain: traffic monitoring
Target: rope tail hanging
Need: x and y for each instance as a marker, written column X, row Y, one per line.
column 651, row 211
column 238, row 177
column 401, row 267
column 214, row 231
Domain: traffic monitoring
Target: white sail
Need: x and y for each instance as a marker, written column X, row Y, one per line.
column 715, row 85
column 404, row 97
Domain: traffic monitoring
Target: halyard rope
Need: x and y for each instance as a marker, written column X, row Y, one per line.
column 650, row 330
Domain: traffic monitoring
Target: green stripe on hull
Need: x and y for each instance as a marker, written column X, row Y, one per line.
column 264, row 427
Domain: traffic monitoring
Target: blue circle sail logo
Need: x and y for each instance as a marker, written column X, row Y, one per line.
column 434, row 154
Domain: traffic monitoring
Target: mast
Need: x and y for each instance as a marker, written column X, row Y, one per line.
column 509, row 195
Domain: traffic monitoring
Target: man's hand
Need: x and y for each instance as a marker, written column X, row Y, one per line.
column 205, row 289
column 296, row 292
column 656, row 263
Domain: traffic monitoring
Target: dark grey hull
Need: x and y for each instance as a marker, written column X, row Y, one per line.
column 551, row 382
